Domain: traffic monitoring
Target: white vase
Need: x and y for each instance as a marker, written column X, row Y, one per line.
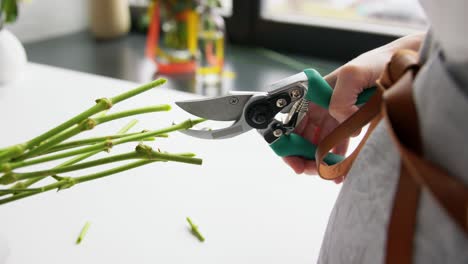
column 12, row 57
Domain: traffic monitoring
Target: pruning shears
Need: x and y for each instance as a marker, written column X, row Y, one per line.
column 259, row 110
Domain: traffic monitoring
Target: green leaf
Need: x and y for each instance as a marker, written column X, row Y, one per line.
column 10, row 9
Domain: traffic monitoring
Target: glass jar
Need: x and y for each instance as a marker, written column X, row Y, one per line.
column 211, row 35
column 174, row 37
column 177, row 48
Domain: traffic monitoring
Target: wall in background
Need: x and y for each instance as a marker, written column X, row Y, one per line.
column 42, row 19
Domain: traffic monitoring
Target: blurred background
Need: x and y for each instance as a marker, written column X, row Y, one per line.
column 208, row 46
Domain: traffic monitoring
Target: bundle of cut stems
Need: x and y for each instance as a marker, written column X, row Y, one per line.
column 55, row 145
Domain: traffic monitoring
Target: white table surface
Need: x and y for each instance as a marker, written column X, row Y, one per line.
column 249, row 205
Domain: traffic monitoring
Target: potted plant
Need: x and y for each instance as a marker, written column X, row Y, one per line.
column 12, row 54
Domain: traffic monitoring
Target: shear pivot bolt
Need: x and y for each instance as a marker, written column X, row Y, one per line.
column 277, row 132
column 295, row 93
column 233, row 100
column 281, row 102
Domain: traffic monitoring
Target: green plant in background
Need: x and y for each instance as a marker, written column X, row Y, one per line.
column 174, row 22
column 8, row 11
column 50, row 146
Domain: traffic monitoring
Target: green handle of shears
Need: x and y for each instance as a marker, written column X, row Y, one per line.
column 319, row 92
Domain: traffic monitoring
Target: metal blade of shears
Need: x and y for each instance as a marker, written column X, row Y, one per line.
column 224, row 108
column 236, row 129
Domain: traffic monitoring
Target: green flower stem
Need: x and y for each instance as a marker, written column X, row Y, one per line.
column 102, row 174
column 29, row 182
column 101, row 105
column 12, row 151
column 129, row 166
column 67, row 182
column 106, row 145
column 137, row 111
column 89, row 124
column 100, row 114
column 20, row 164
column 21, row 190
column 127, row 127
column 92, row 141
column 138, row 90
column 17, row 150
column 181, row 126
column 142, row 152
column 85, row 125
column 74, row 160
column 13, row 177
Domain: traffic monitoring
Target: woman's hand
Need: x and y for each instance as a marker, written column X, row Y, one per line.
column 348, row 82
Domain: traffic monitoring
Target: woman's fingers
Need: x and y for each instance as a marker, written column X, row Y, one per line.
column 339, row 180
column 310, row 167
column 331, row 78
column 350, row 82
column 341, row 148
column 317, row 117
column 301, row 165
column 302, row 126
column 296, row 163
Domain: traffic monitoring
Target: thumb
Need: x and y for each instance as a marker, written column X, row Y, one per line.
column 350, row 82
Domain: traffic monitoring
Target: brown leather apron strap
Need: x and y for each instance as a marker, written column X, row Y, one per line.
column 398, row 105
column 402, row 220
column 370, row 112
column 450, row 192
column 400, row 114
column 401, row 62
